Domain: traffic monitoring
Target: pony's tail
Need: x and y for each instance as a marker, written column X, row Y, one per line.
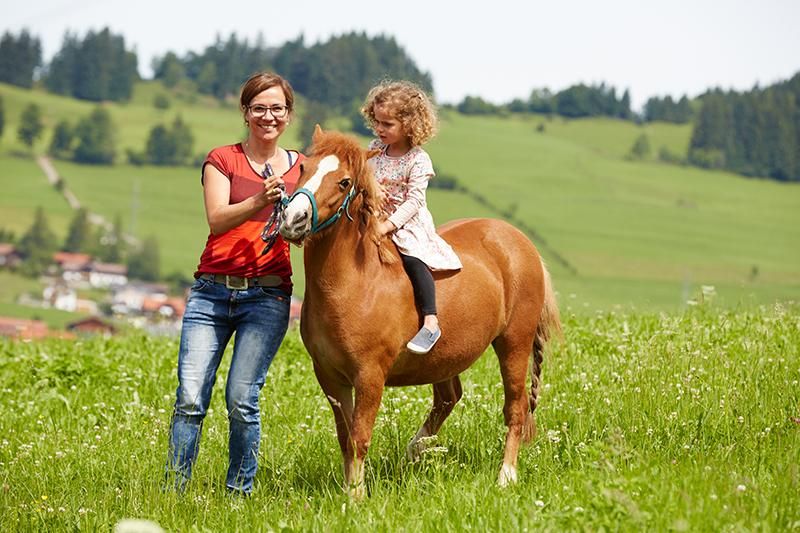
column 550, row 320
column 549, row 327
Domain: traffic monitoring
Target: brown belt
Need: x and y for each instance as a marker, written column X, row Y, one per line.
column 239, row 283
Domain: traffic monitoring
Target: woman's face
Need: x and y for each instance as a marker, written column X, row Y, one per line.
column 387, row 127
column 267, row 115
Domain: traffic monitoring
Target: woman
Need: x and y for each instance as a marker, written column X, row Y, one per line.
column 237, row 288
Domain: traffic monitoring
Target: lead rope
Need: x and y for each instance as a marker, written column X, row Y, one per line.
column 271, row 229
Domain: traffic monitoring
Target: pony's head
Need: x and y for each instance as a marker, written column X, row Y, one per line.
column 335, row 182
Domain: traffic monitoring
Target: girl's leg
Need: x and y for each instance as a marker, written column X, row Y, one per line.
column 425, row 296
column 262, row 317
column 204, row 335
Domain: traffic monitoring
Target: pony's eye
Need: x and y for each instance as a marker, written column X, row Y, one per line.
column 302, row 169
column 344, row 184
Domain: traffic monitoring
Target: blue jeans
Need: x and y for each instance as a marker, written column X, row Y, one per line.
column 260, row 317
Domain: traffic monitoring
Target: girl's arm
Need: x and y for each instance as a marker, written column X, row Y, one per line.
column 220, row 213
column 418, row 179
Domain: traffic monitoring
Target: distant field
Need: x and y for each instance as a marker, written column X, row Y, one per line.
column 642, row 234
column 654, row 225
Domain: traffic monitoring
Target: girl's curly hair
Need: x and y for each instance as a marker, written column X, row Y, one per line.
column 407, row 103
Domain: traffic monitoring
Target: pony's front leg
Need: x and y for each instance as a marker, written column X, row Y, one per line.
column 369, row 390
column 340, row 396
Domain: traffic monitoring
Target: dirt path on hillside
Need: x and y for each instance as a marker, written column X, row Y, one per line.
column 58, row 183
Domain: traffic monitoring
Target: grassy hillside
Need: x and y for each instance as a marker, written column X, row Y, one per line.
column 638, row 233
column 623, row 224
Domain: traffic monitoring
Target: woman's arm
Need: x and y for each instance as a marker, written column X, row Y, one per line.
column 222, row 215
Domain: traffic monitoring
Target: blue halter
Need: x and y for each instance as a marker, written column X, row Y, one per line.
column 315, row 226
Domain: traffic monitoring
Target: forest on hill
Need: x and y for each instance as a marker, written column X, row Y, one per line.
column 754, row 133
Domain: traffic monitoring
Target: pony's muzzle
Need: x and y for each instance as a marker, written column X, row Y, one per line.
column 297, row 223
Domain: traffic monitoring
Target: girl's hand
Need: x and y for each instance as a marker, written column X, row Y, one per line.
column 386, row 227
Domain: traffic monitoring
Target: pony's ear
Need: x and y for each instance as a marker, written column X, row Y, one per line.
column 317, row 132
column 372, row 153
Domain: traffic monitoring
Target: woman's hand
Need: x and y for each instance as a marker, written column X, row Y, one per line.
column 273, row 186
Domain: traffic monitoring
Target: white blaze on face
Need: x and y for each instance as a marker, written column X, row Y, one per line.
column 301, row 203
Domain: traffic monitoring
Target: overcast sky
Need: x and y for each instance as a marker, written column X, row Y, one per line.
column 498, row 50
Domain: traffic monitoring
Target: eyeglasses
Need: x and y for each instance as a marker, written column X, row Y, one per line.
column 277, row 111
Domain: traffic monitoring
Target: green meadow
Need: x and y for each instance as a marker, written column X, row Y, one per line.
column 655, row 414
column 685, row 421
column 636, row 234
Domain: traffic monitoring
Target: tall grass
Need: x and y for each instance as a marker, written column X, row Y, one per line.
column 647, row 422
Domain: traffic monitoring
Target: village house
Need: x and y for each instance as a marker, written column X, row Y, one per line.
column 130, row 298
column 74, row 267
column 92, row 326
column 106, row 275
column 22, row 329
column 60, row 296
column 9, row 257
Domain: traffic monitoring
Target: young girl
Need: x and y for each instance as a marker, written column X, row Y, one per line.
column 403, row 118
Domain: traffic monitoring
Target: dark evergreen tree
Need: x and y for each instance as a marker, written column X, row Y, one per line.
column 30, row 126
column 79, row 232
column 541, row 101
column 144, row 263
column 169, row 146
column 183, row 140
column 345, row 67
column 756, row 133
column 475, row 105
column 640, row 148
column 37, row 245
column 19, row 58
column 624, row 107
column 2, row 116
column 63, row 68
column 169, row 70
column 314, row 113
column 96, row 138
column 667, row 110
column 62, row 142
column 96, row 68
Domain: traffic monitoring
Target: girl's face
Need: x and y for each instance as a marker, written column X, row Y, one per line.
column 389, row 129
column 267, row 115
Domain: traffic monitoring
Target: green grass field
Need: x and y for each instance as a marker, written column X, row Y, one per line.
column 642, row 234
column 647, row 422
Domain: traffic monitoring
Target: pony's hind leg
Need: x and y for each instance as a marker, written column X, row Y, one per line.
column 513, row 357
column 445, row 396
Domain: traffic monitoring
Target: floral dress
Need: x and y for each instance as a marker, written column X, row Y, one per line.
column 405, row 179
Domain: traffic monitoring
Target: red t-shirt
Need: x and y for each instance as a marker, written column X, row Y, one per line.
column 237, row 252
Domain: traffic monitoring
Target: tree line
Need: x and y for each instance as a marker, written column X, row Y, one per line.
column 752, row 133
column 755, row 133
column 99, row 66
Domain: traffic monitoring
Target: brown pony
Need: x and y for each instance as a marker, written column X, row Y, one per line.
column 359, row 309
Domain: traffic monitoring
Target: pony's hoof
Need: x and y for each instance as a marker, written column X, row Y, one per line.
column 508, row 476
column 419, row 445
column 357, row 492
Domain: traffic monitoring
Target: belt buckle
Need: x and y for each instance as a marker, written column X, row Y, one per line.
column 241, row 287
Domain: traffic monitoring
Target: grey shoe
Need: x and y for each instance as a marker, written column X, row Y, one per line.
column 423, row 341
